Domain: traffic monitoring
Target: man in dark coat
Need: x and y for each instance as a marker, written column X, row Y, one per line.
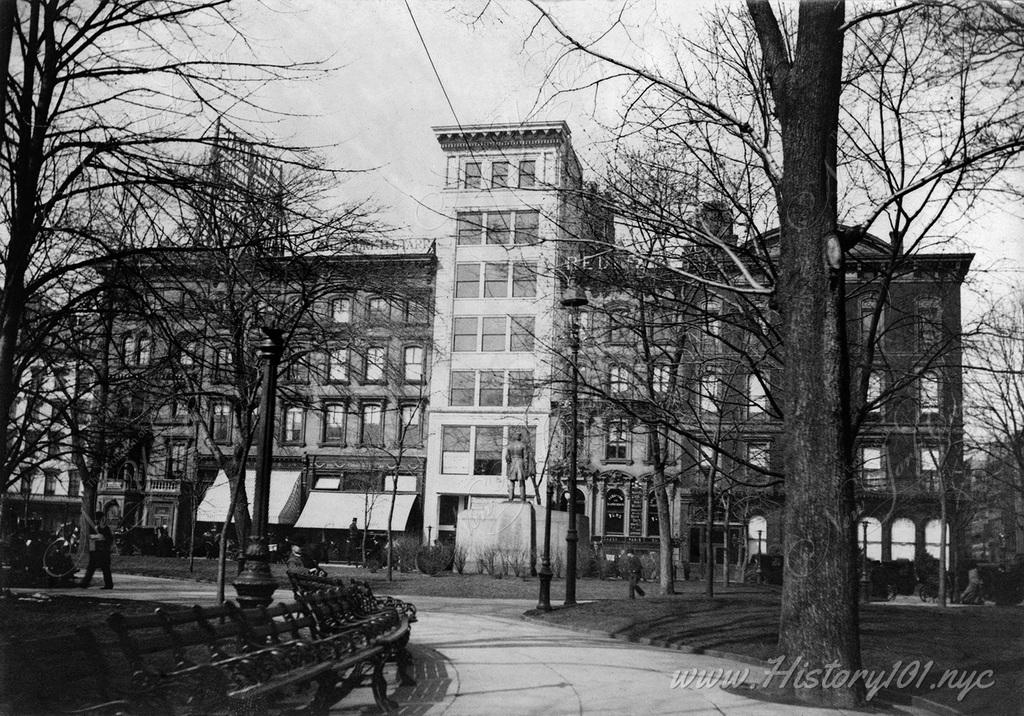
column 635, row 569
column 100, row 541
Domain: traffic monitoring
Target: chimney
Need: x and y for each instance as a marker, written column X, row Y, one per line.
column 715, row 218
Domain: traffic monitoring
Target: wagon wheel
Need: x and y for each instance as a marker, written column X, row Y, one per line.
column 60, row 560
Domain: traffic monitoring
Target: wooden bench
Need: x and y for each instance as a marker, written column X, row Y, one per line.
column 209, row 660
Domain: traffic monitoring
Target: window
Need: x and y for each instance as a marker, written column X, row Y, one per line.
column 929, row 393
column 759, row 457
column 904, row 538
column 409, row 427
column 653, row 521
column 294, row 418
column 527, row 223
column 412, row 364
column 176, row 461
column 49, row 483
column 492, row 387
column 874, row 396
column 618, row 380
column 220, row 423
column 928, row 460
column 129, row 346
column 472, row 175
column 487, row 456
column 375, row 364
column 455, row 449
column 524, row 280
column 468, row 228
column 709, row 390
column 465, row 338
column 327, row 482
column 527, row 174
column 929, row 324
column 933, row 538
column 341, row 310
column 467, row 281
column 222, row 365
column 872, row 469
column 296, row 370
column 618, row 328
column 868, row 306
column 463, row 386
column 520, row 388
column 661, row 378
column 499, row 227
column 334, row 423
column 372, row 432
column 757, row 399
column 522, row 334
column 378, row 309
column 614, row 512
column 74, row 483
column 499, row 175
column 495, row 280
column 493, row 336
column 874, row 537
column 145, row 351
column 617, row 440
column 337, row 365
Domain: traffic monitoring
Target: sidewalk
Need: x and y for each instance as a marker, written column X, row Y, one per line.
column 476, row 656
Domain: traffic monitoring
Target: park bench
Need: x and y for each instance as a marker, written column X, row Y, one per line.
column 224, row 659
column 367, row 602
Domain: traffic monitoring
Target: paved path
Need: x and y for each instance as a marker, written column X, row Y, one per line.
column 477, row 656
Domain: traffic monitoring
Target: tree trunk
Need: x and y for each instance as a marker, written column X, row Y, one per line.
column 725, row 542
column 818, row 621
column 666, row 576
column 709, row 544
column 943, row 510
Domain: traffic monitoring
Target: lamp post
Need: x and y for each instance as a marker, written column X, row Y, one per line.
column 574, row 299
column 865, row 580
column 255, row 584
column 760, row 574
column 544, row 573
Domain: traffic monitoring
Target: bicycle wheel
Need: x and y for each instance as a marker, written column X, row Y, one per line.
column 60, row 560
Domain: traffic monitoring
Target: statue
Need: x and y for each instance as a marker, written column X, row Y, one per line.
column 517, row 465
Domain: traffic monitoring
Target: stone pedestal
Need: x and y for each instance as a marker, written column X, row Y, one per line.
column 504, row 535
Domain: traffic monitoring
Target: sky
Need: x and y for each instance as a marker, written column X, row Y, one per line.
column 375, row 107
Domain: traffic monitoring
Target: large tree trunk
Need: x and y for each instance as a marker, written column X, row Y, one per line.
column 818, row 623
column 666, row 577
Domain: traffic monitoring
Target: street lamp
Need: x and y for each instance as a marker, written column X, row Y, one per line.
column 760, row 576
column 573, row 299
column 255, row 584
column 544, row 573
column 865, row 580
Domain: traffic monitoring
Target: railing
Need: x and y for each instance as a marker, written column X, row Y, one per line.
column 171, row 486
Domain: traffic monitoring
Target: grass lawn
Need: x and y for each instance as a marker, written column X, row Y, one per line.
column 964, row 638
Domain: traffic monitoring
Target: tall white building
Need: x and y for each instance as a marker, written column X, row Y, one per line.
column 509, row 193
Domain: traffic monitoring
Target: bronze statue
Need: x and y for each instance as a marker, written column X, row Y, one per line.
column 517, row 459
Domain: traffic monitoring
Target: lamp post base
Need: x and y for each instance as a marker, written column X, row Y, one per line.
column 255, row 585
column 544, row 599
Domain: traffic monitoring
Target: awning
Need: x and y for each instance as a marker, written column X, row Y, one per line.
column 335, row 510
column 284, row 498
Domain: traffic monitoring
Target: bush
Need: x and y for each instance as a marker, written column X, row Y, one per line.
column 404, row 553
column 434, row 560
column 488, row 561
column 459, row 556
column 651, row 567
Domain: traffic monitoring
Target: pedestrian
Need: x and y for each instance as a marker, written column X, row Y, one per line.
column 100, row 540
column 353, row 542
column 972, row 594
column 635, row 569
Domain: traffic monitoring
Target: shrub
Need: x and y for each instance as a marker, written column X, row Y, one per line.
column 434, row 560
column 459, row 556
column 404, row 553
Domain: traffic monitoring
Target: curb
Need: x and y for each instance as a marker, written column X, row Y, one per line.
column 885, row 697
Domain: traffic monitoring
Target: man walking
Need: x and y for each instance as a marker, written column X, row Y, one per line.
column 635, row 568
column 100, row 540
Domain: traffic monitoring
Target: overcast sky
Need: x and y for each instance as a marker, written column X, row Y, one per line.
column 374, row 110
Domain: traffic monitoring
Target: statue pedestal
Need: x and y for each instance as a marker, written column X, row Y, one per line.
column 496, row 534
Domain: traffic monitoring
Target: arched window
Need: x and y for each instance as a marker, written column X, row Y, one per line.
column 127, row 475
column 904, row 538
column 614, row 512
column 145, row 350
column 128, row 350
column 933, row 537
column 874, row 546
column 653, row 521
column 757, row 535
